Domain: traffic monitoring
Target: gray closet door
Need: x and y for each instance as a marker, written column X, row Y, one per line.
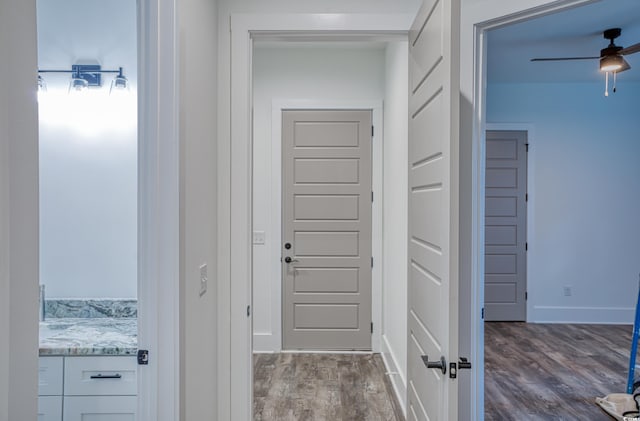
column 326, row 213
column 506, row 226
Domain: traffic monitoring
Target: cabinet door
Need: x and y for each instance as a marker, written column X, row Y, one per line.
column 50, row 376
column 100, row 376
column 100, row 408
column 50, row 408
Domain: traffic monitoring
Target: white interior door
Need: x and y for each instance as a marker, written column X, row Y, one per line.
column 433, row 211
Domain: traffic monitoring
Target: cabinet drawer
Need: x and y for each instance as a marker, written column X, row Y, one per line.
column 50, row 408
column 100, row 408
column 100, row 376
column 50, row 376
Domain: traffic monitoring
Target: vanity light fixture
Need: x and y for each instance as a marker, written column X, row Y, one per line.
column 84, row 76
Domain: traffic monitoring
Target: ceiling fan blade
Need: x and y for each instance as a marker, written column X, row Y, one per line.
column 563, row 58
column 630, row 49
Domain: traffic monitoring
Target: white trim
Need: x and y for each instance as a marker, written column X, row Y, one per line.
column 158, row 212
column 530, row 228
column 242, row 27
column 586, row 315
column 272, row 342
column 396, row 376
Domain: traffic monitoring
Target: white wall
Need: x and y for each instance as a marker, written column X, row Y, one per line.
column 394, row 293
column 318, row 73
column 197, row 47
column 584, row 197
column 88, row 152
column 18, row 212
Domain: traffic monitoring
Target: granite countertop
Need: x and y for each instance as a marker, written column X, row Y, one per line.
column 89, row 336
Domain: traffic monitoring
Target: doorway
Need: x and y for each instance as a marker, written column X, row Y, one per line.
column 328, row 75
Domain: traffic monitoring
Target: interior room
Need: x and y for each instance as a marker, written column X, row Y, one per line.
column 88, row 194
column 581, row 275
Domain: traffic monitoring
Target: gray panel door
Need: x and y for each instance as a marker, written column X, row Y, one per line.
column 326, row 211
column 433, row 144
column 505, row 266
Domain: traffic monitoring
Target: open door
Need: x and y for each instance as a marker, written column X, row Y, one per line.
column 433, row 212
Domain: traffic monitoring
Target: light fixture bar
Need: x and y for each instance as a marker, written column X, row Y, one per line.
column 91, row 73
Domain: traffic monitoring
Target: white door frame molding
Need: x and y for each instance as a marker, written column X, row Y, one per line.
column 243, row 29
column 272, row 342
column 477, row 20
column 159, row 383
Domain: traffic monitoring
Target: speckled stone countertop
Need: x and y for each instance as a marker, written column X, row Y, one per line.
column 88, row 336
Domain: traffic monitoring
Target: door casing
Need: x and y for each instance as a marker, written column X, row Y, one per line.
column 273, row 342
column 243, row 29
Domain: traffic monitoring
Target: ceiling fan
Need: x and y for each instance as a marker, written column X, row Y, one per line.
column 611, row 57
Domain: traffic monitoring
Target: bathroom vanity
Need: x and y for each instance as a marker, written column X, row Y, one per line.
column 88, row 368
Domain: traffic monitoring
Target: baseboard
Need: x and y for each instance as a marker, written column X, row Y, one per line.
column 395, row 374
column 587, row 315
column 265, row 343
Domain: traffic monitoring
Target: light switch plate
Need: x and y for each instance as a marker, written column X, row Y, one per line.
column 258, row 237
column 204, row 279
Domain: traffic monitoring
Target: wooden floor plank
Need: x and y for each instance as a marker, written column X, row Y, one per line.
column 316, row 387
column 553, row 371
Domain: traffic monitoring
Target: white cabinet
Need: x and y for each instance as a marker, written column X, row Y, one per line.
column 50, row 376
column 90, row 376
column 100, row 408
column 99, row 388
column 49, row 408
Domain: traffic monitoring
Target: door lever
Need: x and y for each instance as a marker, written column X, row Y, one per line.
column 290, row 260
column 440, row 364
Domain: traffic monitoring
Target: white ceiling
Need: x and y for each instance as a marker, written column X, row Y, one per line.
column 574, row 32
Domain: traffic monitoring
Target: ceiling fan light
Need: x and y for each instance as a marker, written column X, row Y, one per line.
column 611, row 63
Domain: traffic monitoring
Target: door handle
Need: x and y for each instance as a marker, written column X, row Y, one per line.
column 441, row 364
column 107, row 376
column 290, row 260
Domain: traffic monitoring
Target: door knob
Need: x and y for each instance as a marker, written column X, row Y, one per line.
column 290, row 260
column 441, row 364
column 287, row 245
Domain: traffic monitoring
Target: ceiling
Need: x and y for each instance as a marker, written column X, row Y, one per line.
column 573, row 32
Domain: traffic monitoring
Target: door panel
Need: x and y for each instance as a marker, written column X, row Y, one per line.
column 433, row 141
column 327, row 222
column 505, row 226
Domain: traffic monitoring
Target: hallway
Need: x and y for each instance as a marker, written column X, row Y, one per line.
column 336, row 387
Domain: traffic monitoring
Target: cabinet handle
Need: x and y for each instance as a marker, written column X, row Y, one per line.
column 110, row 376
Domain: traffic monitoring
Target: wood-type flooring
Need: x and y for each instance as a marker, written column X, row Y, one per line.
column 322, row 387
column 552, row 371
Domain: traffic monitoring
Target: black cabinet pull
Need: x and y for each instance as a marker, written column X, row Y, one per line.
column 110, row 376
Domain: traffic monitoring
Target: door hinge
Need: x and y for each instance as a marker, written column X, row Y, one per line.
column 526, row 197
column 482, row 315
column 248, row 311
column 526, row 295
column 372, row 197
column 371, row 261
column 526, row 145
column 526, row 246
column 143, row 357
column 372, row 131
column 371, row 327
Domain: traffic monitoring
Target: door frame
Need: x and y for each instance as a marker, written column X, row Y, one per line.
column 476, row 22
column 273, row 342
column 529, row 129
column 243, row 29
column 159, row 322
